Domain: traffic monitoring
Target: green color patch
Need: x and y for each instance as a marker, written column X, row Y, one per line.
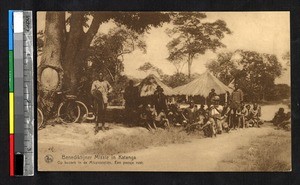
column 11, row 71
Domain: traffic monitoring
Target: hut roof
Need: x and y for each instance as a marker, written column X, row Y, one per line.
column 147, row 88
column 203, row 85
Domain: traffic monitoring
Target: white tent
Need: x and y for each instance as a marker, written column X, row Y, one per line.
column 202, row 86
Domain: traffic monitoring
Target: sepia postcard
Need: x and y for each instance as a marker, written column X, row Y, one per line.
column 163, row 91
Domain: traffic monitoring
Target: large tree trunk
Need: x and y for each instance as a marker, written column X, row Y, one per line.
column 75, row 37
column 77, row 46
column 50, row 73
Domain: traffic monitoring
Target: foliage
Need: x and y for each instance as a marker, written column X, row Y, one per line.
column 287, row 58
column 148, row 66
column 178, row 79
column 254, row 72
column 116, row 97
column 81, row 39
column 224, row 68
column 279, row 92
column 85, row 52
column 193, row 36
column 107, row 50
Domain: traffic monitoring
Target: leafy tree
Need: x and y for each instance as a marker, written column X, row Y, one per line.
column 107, row 50
column 176, row 79
column 254, row 72
column 279, row 92
column 65, row 50
column 224, row 67
column 193, row 37
column 148, row 66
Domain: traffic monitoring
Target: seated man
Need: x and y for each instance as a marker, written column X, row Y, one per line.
column 286, row 123
column 175, row 115
column 161, row 120
column 279, row 117
column 201, row 110
column 190, row 113
column 147, row 117
column 208, row 126
column 254, row 115
column 225, row 117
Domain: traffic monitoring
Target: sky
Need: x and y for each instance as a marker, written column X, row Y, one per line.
column 264, row 32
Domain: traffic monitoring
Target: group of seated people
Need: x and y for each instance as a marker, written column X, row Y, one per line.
column 212, row 120
column 216, row 119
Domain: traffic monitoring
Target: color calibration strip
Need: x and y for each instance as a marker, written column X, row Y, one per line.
column 11, row 94
column 21, row 93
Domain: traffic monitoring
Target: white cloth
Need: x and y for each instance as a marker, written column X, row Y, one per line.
column 104, row 87
column 216, row 110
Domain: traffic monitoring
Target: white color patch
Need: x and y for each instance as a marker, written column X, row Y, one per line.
column 18, row 22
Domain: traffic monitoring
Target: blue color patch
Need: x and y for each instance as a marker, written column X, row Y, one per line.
column 10, row 30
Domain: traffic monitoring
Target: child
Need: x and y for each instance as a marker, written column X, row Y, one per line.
column 239, row 117
column 247, row 115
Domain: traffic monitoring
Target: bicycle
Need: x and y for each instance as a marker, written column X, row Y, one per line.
column 69, row 109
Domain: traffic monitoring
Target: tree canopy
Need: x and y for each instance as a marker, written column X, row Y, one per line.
column 78, row 32
column 193, row 36
column 254, row 72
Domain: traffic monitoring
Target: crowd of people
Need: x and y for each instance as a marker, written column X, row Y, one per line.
column 155, row 111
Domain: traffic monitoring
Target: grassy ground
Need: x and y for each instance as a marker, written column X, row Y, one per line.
column 271, row 152
column 126, row 143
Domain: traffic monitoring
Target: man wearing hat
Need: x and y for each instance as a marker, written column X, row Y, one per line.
column 211, row 95
column 160, row 100
column 100, row 89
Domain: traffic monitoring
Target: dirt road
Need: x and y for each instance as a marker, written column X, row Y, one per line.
column 198, row 155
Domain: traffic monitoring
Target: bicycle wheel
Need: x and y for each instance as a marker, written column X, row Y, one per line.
column 83, row 111
column 68, row 112
column 40, row 118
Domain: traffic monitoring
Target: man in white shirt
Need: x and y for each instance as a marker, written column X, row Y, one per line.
column 100, row 89
column 216, row 113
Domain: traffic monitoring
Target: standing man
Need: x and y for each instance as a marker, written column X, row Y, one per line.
column 100, row 89
column 237, row 97
column 211, row 94
column 160, row 100
column 130, row 96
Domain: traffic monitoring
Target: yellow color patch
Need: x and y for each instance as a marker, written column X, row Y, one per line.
column 11, row 113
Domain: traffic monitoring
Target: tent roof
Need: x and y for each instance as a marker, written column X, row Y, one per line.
column 151, row 88
column 203, row 85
